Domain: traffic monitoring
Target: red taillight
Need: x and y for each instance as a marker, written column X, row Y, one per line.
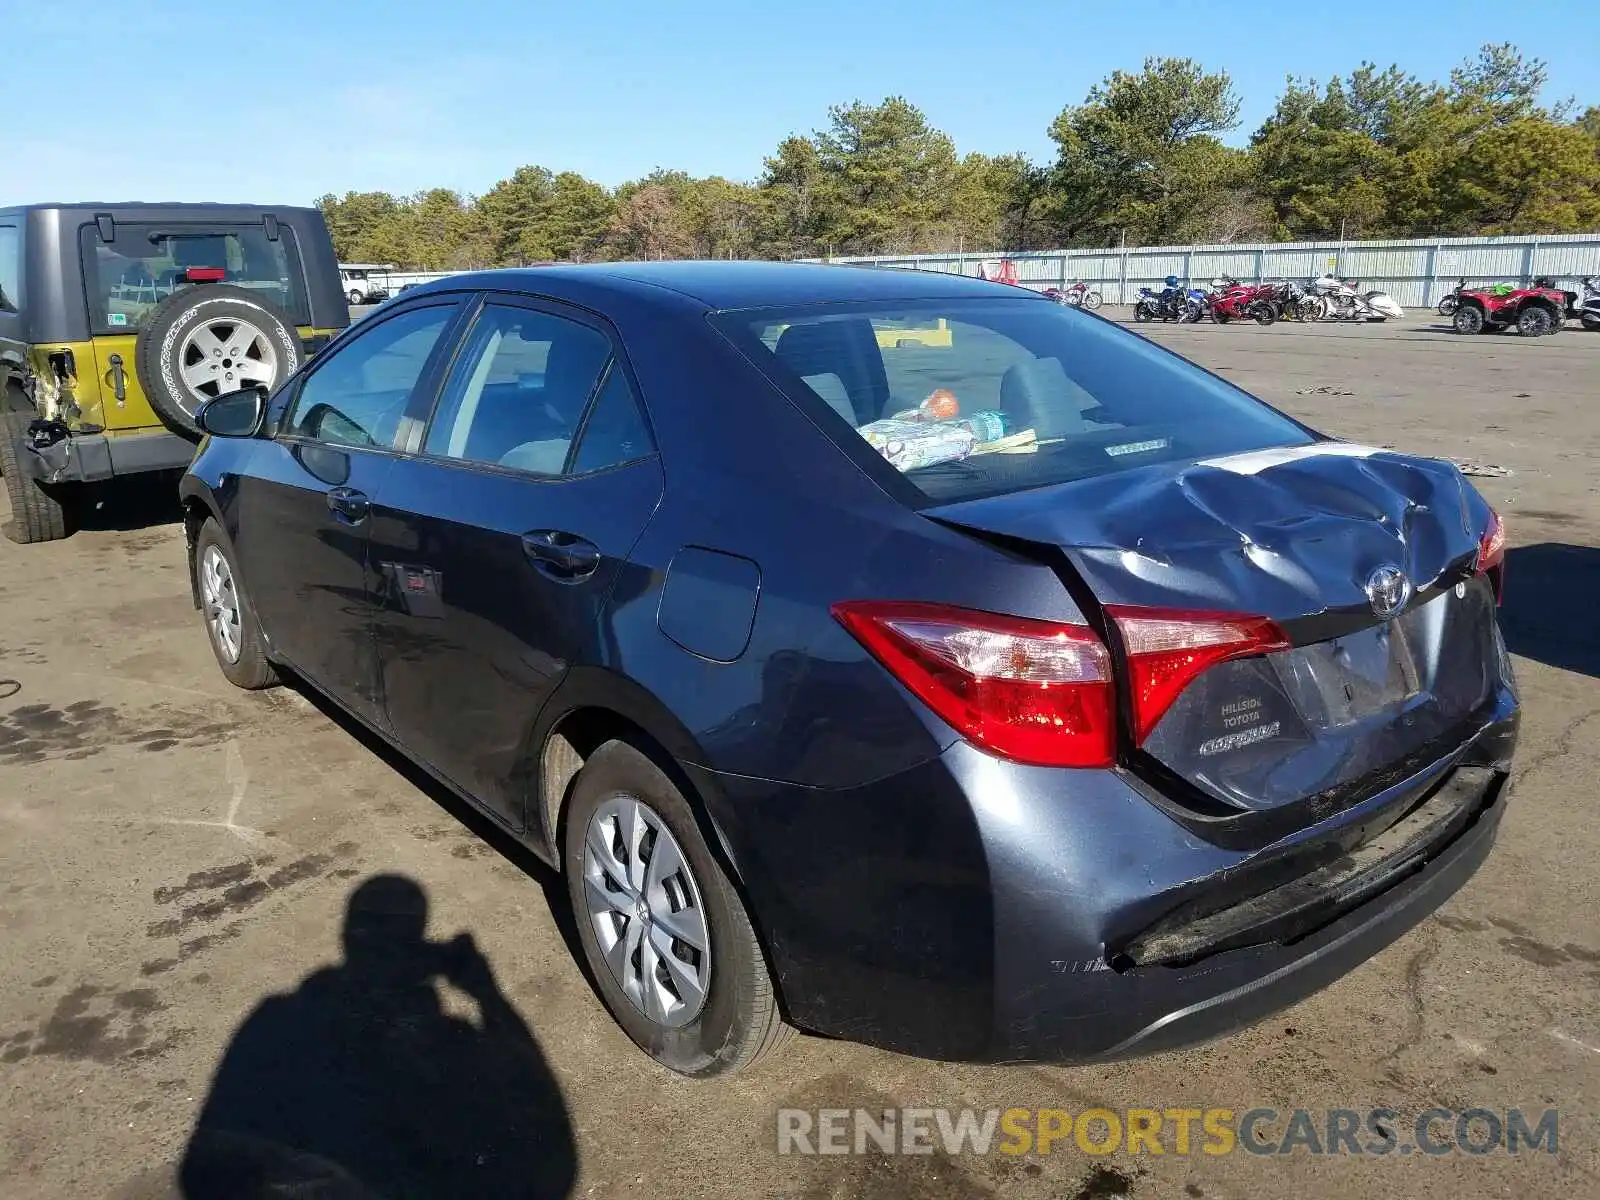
column 205, row 274
column 1168, row 648
column 1492, row 555
column 1034, row 691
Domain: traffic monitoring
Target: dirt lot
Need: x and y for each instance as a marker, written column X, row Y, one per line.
column 173, row 852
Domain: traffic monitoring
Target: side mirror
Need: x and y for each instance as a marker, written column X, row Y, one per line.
column 234, row 414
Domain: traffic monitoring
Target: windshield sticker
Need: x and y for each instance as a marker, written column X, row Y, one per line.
column 1138, row 447
column 116, row 318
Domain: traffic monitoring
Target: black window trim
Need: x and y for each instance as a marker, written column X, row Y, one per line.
column 428, row 382
column 555, row 308
column 89, row 262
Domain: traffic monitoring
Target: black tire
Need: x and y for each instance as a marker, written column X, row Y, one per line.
column 249, row 668
column 1141, row 312
column 1092, row 300
column 1533, row 320
column 1263, row 313
column 1558, row 321
column 354, row 296
column 40, row 512
column 1590, row 320
column 740, row 1022
column 1468, row 319
column 1220, row 316
column 164, row 342
column 1447, row 306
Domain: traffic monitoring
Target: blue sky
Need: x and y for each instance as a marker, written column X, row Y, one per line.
column 195, row 101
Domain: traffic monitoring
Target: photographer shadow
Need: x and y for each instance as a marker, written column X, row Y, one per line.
column 359, row 1084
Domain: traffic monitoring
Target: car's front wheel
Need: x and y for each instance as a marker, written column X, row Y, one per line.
column 230, row 619
column 668, row 942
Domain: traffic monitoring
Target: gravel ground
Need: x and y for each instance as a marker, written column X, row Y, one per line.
column 174, row 852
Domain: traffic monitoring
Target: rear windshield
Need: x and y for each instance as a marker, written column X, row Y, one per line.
column 146, row 263
column 980, row 397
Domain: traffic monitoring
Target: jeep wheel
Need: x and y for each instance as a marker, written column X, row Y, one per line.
column 1468, row 319
column 354, row 297
column 1533, row 321
column 38, row 511
column 202, row 342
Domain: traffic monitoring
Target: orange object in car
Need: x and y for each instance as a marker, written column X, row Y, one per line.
column 942, row 405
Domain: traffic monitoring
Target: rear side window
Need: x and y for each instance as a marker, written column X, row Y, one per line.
column 146, row 263
column 10, row 267
column 358, row 394
column 981, row 397
column 615, row 432
column 518, row 390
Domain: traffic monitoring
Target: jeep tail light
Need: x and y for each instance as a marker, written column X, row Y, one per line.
column 1038, row 692
column 205, row 274
column 1169, row 648
column 1492, row 555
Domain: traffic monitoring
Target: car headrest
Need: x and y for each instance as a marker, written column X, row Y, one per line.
column 831, row 388
column 1039, row 395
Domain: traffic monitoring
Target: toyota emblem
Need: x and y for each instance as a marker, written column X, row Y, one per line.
column 1388, row 589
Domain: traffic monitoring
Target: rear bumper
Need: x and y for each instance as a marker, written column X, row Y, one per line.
column 88, row 457
column 976, row 909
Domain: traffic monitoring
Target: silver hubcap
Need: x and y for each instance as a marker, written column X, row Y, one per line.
column 644, row 906
column 221, row 602
column 225, row 354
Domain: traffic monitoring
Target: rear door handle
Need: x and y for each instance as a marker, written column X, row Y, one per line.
column 348, row 504
column 561, row 555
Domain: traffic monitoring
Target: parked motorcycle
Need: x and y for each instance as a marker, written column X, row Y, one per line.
column 1172, row 303
column 1343, row 300
column 1586, row 308
column 1232, row 299
column 1293, row 302
column 1447, row 305
column 1079, row 296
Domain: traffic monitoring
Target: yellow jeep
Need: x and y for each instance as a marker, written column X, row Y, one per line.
column 118, row 320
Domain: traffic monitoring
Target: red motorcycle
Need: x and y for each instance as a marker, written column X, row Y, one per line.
column 1254, row 302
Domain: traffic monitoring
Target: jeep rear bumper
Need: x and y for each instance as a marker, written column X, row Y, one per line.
column 58, row 456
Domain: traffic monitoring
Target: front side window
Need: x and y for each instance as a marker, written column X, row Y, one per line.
column 10, row 267
column 358, row 394
column 147, row 262
column 974, row 398
column 518, row 390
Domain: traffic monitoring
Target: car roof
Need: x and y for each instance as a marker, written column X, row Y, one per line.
column 145, row 207
column 733, row 285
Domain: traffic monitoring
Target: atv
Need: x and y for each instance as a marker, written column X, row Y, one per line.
column 1532, row 310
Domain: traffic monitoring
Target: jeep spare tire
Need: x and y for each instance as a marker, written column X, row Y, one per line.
column 204, row 341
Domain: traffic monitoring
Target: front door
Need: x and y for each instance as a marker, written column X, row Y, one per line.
column 305, row 508
column 498, row 546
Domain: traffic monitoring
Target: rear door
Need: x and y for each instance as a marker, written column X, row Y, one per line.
column 305, row 507
column 496, row 547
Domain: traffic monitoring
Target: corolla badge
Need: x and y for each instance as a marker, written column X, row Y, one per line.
column 1388, row 589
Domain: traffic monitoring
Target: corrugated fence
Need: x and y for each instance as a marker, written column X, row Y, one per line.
column 1417, row 272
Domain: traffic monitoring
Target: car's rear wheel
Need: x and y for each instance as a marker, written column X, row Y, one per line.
column 202, row 342
column 669, row 945
column 354, row 296
column 230, row 619
column 40, row 512
column 1468, row 319
column 1533, row 321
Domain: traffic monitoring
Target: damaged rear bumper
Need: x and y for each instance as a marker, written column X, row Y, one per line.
column 52, row 453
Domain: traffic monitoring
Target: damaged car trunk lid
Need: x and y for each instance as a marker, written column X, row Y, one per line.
column 1359, row 632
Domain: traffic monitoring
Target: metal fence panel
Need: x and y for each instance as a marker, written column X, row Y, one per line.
column 1416, row 271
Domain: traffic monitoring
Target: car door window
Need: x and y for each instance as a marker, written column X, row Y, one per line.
column 358, row 394
column 615, row 432
column 10, row 268
column 518, row 390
